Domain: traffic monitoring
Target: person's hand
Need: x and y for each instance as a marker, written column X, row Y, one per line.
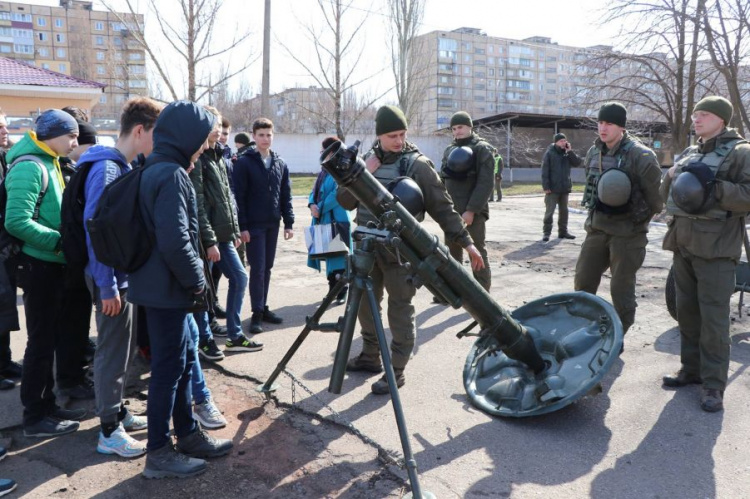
column 670, row 172
column 111, row 306
column 237, row 242
column 476, row 258
column 468, row 217
column 315, row 210
column 288, row 234
column 212, row 254
column 547, row 191
column 245, row 236
column 372, row 163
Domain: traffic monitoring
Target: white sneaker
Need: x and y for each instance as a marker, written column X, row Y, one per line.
column 208, row 415
column 134, row 423
column 120, row 443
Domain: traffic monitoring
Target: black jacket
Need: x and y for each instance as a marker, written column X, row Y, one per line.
column 264, row 195
column 556, row 169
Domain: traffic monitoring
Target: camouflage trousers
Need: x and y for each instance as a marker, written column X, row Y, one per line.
column 704, row 288
column 393, row 278
column 477, row 231
column 623, row 255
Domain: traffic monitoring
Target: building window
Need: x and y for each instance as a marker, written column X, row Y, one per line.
column 479, row 51
column 117, row 40
column 6, row 31
column 63, row 67
column 491, row 72
column 59, row 23
column 24, row 18
column 467, row 70
column 45, row 65
column 43, row 52
column 103, row 99
column 137, row 84
column 43, row 36
column 99, row 56
column 5, row 49
column 23, row 33
column 99, row 26
column 5, row 16
column 59, row 37
column 445, row 90
column 445, row 103
column 137, row 56
column 447, row 47
column 20, row 48
column 466, row 46
column 138, row 70
column 99, row 40
column 60, row 53
column 40, row 21
column 99, row 69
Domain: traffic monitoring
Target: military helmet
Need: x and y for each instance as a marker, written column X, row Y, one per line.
column 613, row 188
column 688, row 193
column 409, row 195
column 461, row 159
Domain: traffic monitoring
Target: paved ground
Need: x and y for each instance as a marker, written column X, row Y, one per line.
column 634, row 440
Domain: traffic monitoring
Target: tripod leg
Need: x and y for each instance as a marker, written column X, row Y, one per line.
column 345, row 338
column 411, row 463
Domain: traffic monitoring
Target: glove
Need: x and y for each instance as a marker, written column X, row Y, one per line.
column 703, row 173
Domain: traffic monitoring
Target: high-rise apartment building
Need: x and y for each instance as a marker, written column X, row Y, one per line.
column 79, row 41
column 485, row 75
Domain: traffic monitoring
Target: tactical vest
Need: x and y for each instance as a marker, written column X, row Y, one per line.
column 471, row 172
column 599, row 165
column 714, row 160
column 385, row 174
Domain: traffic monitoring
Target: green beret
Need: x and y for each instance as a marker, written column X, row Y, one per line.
column 716, row 105
column 613, row 112
column 389, row 119
column 461, row 118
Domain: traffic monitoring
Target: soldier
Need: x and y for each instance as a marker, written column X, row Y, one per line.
column 708, row 194
column 499, row 167
column 391, row 157
column 622, row 194
column 557, row 184
column 467, row 170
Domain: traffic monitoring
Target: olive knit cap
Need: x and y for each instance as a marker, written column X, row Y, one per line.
column 242, row 138
column 716, row 105
column 558, row 136
column 389, row 119
column 613, row 112
column 461, row 118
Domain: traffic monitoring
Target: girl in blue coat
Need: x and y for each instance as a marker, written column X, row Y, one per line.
column 326, row 210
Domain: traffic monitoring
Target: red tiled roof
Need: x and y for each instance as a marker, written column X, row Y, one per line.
column 14, row 72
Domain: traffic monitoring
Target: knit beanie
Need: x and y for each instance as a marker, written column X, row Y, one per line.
column 86, row 133
column 242, row 138
column 53, row 123
column 389, row 119
column 716, row 105
column 461, row 118
column 558, row 136
column 613, row 112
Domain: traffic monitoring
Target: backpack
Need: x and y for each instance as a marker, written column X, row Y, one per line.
column 117, row 232
column 72, row 232
column 10, row 246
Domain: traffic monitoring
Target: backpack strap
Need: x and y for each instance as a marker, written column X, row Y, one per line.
column 45, row 180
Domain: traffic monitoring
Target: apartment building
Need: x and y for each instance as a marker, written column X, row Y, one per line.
column 77, row 40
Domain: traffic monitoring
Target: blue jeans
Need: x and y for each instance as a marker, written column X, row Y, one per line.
column 204, row 328
column 261, row 252
column 172, row 359
column 232, row 267
column 197, row 381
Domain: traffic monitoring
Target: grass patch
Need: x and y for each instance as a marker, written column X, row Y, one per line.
column 302, row 184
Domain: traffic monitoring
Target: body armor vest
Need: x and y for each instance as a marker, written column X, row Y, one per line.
column 713, row 160
column 385, row 174
column 599, row 165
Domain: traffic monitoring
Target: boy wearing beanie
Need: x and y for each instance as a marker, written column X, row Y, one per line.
column 707, row 244
column 393, row 156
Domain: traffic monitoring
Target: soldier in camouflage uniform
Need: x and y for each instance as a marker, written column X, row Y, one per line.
column 707, row 244
column 393, row 156
column 616, row 237
column 471, row 190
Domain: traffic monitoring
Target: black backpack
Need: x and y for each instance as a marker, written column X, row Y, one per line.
column 72, row 231
column 118, row 234
column 10, row 246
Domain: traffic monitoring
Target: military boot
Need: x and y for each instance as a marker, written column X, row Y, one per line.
column 365, row 362
column 712, row 400
column 380, row 387
column 680, row 379
column 168, row 463
column 201, row 444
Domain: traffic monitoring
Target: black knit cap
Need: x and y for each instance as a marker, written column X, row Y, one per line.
column 389, row 119
column 613, row 112
column 242, row 138
column 86, row 133
column 462, row 118
column 558, row 136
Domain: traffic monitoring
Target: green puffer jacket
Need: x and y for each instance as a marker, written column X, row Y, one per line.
column 216, row 208
column 24, row 182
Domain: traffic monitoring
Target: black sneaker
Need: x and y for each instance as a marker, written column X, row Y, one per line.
column 168, row 463
column 566, row 235
column 6, row 384
column 270, row 317
column 200, row 444
column 209, row 351
column 219, row 311
column 256, row 321
column 217, row 329
column 50, row 427
column 11, row 370
column 545, row 238
column 242, row 344
column 81, row 391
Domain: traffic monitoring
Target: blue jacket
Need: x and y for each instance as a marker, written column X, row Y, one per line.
column 107, row 164
column 174, row 270
column 264, row 195
column 330, row 211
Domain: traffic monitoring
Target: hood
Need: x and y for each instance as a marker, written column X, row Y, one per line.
column 30, row 145
column 102, row 153
column 180, row 130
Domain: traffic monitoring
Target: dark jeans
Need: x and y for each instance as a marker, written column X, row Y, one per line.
column 172, row 359
column 71, row 345
column 261, row 252
column 5, row 354
column 43, row 292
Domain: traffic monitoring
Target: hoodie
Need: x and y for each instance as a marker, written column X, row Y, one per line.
column 174, row 271
column 107, row 164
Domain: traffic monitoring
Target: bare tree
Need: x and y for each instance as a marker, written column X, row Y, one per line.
column 189, row 31
column 338, row 52
column 526, row 147
column 409, row 71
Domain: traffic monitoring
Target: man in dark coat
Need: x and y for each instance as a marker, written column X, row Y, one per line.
column 557, row 184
